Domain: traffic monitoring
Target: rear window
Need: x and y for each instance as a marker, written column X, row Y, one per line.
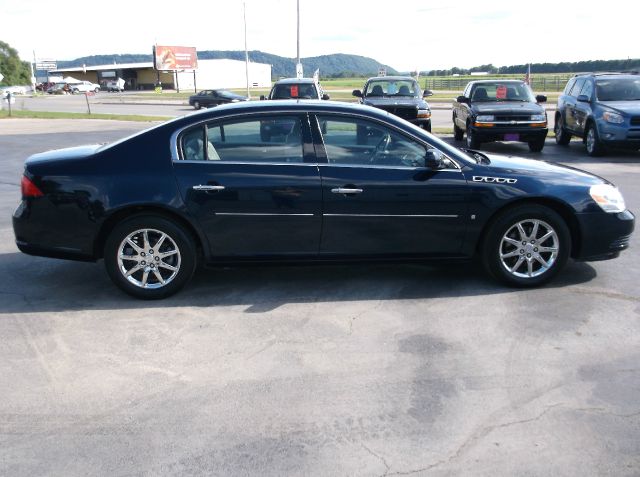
column 295, row 91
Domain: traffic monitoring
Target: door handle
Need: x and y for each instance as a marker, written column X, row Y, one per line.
column 208, row 187
column 344, row 190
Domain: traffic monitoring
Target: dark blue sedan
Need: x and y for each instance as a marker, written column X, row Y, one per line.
column 331, row 181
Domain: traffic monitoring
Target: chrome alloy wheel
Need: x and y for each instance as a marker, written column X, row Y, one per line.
column 149, row 258
column 529, row 248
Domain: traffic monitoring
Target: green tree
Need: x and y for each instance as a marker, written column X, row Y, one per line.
column 15, row 71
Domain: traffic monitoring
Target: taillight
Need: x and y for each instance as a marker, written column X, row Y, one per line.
column 29, row 189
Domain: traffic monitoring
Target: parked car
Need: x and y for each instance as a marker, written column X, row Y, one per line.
column 399, row 95
column 59, row 88
column 500, row 110
column 115, row 85
column 207, row 188
column 601, row 108
column 13, row 90
column 214, row 97
column 296, row 88
column 84, row 87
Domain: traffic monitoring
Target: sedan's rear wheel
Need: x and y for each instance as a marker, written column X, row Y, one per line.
column 196, row 104
column 149, row 257
column 526, row 246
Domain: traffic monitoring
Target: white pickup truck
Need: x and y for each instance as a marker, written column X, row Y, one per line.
column 84, row 87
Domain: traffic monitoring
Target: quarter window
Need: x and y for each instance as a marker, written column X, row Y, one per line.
column 358, row 142
column 567, row 89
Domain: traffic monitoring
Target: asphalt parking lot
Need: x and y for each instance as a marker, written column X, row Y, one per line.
column 326, row 370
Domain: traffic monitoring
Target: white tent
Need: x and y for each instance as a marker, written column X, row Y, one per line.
column 71, row 79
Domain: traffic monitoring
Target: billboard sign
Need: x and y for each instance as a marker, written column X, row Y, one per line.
column 175, row 58
column 46, row 64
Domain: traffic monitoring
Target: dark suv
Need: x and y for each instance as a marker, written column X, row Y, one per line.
column 296, row 88
column 500, row 110
column 399, row 95
column 603, row 109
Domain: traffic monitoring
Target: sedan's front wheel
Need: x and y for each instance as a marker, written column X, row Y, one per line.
column 149, row 257
column 526, row 246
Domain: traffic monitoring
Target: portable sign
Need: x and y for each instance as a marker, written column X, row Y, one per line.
column 294, row 91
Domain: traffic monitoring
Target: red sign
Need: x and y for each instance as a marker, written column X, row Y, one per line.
column 174, row 58
column 294, row 91
column 501, row 92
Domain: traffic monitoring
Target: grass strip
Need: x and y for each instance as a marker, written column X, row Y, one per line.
column 4, row 113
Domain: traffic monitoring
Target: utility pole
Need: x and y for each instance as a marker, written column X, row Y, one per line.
column 299, row 72
column 246, row 51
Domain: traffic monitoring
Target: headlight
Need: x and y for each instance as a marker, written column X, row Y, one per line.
column 539, row 118
column 424, row 113
column 611, row 117
column 485, row 118
column 608, row 198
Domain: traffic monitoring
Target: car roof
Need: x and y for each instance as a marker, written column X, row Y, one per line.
column 391, row 78
column 633, row 75
column 285, row 105
column 295, row 81
column 498, row 80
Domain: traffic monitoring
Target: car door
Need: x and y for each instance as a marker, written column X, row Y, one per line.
column 582, row 110
column 378, row 196
column 253, row 197
column 570, row 105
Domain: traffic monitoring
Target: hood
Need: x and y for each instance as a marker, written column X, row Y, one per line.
column 394, row 102
column 69, row 153
column 629, row 107
column 507, row 108
column 519, row 166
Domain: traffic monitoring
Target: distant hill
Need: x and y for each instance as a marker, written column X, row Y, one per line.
column 331, row 66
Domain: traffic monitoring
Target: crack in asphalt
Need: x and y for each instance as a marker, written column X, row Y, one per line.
column 379, row 457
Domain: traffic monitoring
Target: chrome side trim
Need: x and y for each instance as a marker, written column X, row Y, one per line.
column 392, row 215
column 259, row 214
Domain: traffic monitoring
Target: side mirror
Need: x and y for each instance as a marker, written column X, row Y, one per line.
column 427, row 92
column 325, row 96
column 462, row 99
column 357, row 93
column 583, row 98
column 262, row 97
column 433, row 159
column 541, row 98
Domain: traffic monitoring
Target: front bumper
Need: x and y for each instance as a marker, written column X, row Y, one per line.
column 604, row 235
column 622, row 136
column 503, row 133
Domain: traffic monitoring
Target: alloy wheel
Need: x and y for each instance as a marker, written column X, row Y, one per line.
column 529, row 248
column 149, row 258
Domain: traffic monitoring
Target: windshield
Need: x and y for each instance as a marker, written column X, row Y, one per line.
column 301, row 90
column 392, row 88
column 484, row 92
column 618, row 89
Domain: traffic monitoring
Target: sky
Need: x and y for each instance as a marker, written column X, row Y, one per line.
column 406, row 35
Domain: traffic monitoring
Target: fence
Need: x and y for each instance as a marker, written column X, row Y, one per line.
column 538, row 82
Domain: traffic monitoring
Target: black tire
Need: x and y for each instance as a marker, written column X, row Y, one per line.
column 472, row 140
column 458, row 134
column 562, row 135
column 592, row 142
column 196, row 104
column 96, row 90
column 496, row 246
column 536, row 145
column 178, row 244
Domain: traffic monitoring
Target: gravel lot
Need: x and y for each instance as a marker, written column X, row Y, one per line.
column 328, row 370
